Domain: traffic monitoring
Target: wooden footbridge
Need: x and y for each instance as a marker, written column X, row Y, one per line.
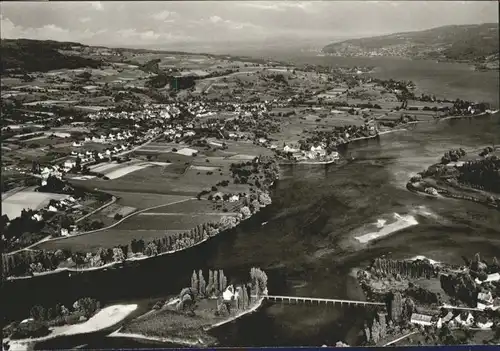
column 315, row 300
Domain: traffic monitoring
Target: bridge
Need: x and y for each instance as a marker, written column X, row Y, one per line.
column 313, row 300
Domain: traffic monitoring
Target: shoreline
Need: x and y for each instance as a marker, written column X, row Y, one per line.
column 186, row 341
column 131, row 259
column 442, row 193
column 171, row 340
column 105, row 318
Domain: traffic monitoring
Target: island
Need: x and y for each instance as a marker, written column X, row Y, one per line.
column 206, row 304
column 473, row 176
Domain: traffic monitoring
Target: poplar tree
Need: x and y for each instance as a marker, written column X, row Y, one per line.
column 216, row 282
column 202, row 288
column 194, row 282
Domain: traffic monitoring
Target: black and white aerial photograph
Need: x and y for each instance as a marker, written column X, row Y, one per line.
column 210, row 174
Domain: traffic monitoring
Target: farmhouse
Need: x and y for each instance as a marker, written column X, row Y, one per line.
column 485, row 298
column 421, row 319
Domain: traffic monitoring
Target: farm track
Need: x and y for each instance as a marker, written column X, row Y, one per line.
column 190, row 214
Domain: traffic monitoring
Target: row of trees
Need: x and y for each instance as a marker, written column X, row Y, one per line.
column 217, row 283
column 45, row 317
column 483, row 174
column 453, row 155
column 412, row 269
column 36, row 261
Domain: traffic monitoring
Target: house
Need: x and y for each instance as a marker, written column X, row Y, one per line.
column 77, row 144
column 444, row 319
column 491, row 278
column 465, row 319
column 37, row 217
column 64, row 232
column 68, row 164
column 485, row 298
column 52, row 209
column 228, row 294
column 234, row 198
column 421, row 319
column 290, row 149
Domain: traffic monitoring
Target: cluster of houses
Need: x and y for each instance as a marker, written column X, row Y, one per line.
column 453, row 320
column 314, row 153
column 485, row 300
column 111, row 137
column 65, row 205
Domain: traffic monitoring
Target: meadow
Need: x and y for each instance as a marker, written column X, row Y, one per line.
column 104, row 239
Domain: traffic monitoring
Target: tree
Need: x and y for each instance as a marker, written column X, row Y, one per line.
column 118, row 255
column 151, row 249
column 201, row 283
column 194, row 282
column 210, row 285
column 216, row 282
column 222, row 281
column 37, row 313
column 258, row 281
column 87, row 306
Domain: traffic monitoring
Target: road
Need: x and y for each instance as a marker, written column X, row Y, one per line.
column 401, row 338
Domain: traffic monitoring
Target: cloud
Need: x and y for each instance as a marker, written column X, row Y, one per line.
column 215, row 19
column 96, row 5
column 162, row 16
column 132, row 23
column 49, row 31
column 278, row 6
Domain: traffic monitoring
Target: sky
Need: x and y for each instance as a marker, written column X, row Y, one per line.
column 164, row 24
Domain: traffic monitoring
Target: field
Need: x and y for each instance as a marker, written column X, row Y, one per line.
column 118, row 173
column 106, row 239
column 115, row 209
column 179, row 222
column 173, row 179
column 14, row 204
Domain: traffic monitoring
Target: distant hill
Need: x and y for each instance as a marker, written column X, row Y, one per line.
column 26, row 55
column 471, row 43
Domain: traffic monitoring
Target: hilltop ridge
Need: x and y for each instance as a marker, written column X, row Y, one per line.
column 461, row 43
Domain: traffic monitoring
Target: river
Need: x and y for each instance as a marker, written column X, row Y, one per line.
column 308, row 246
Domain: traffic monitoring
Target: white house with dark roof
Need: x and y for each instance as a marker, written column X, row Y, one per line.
column 421, row 319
